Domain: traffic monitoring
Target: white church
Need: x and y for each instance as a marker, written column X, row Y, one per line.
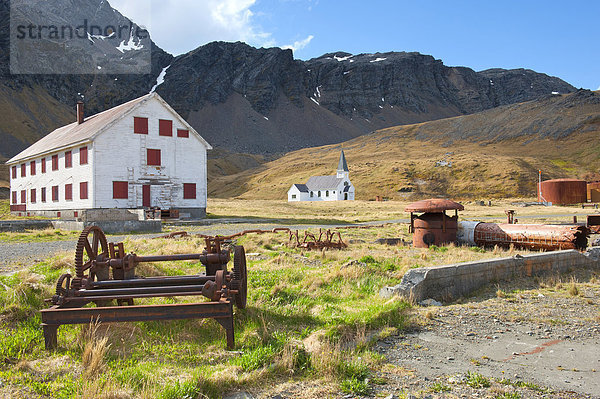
column 137, row 155
column 325, row 188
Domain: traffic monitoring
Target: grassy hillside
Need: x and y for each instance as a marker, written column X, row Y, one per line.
column 492, row 154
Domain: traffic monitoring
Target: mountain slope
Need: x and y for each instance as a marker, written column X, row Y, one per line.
column 494, row 153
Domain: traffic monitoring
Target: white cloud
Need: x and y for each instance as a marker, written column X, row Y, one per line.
column 598, row 88
column 183, row 25
column 299, row 45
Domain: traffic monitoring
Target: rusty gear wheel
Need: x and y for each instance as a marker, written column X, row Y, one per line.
column 91, row 244
column 60, row 290
column 240, row 280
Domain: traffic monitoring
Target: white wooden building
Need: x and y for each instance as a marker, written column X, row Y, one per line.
column 136, row 155
column 325, row 188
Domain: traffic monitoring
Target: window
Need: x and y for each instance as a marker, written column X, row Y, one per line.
column 33, row 196
column 319, row 194
column 32, row 168
column 23, row 170
column 68, row 159
column 312, row 194
column 346, row 183
column 14, row 172
column 83, row 190
column 83, row 156
column 54, row 193
column 68, row 192
column 43, row 194
column 140, row 125
column 189, row 190
column 293, row 196
column 153, row 157
column 23, row 196
column 14, row 197
column 183, row 133
column 120, row 189
column 55, row 162
column 165, row 127
column 327, row 193
column 43, row 162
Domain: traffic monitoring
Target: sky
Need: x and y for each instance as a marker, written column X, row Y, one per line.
column 559, row 38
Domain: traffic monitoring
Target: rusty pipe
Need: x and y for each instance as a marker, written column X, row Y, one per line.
column 152, row 281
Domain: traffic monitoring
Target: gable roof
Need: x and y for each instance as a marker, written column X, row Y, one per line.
column 75, row 133
column 301, row 187
column 342, row 165
column 323, row 182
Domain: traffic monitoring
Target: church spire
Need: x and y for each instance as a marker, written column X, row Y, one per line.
column 342, row 165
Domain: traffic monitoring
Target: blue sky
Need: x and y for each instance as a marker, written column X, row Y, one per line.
column 559, row 38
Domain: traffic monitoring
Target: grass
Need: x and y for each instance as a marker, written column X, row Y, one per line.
column 40, row 235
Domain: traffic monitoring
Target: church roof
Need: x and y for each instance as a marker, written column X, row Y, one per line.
column 302, row 188
column 342, row 165
column 316, row 183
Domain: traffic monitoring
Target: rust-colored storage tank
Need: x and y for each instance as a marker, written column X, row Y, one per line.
column 433, row 226
column 593, row 191
column 563, row 191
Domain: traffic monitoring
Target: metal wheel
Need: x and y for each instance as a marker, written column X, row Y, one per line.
column 240, row 281
column 91, row 245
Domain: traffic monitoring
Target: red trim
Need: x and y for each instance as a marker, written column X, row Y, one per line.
column 165, row 127
column 18, row 208
column 146, row 195
column 43, row 162
column 43, row 194
column 23, row 196
column 55, row 162
column 32, row 168
column 183, row 133
column 14, row 172
column 69, row 192
column 33, row 196
column 140, row 125
column 23, row 170
column 83, row 156
column 189, row 190
column 83, row 190
column 14, row 197
column 120, row 189
column 54, row 193
column 153, row 157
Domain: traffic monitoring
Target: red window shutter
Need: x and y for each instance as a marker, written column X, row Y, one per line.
column 153, row 157
column 14, row 172
column 140, row 125
column 83, row 190
column 120, row 189
column 189, row 190
column 23, row 170
column 43, row 162
column 32, row 168
column 33, row 196
column 165, row 127
column 68, row 159
column 54, row 193
column 43, row 194
column 55, row 162
column 83, row 160
column 68, row 192
column 23, row 196
column 14, row 197
column 183, row 133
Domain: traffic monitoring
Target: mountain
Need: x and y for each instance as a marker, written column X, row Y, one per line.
column 244, row 99
column 493, row 153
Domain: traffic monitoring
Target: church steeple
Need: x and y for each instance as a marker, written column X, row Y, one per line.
column 342, row 169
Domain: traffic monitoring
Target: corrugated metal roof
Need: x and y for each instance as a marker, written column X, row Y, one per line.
column 74, row 132
column 302, row 188
column 323, row 182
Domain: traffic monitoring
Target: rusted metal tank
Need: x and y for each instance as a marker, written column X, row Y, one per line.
column 593, row 191
column 433, row 226
column 563, row 191
column 524, row 236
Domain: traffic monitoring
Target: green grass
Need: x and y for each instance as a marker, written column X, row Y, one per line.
column 42, row 235
column 476, row 380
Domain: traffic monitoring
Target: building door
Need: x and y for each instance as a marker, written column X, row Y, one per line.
column 345, row 196
column 146, row 195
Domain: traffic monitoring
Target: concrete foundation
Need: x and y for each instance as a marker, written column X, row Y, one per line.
column 22, row 225
column 450, row 282
column 112, row 226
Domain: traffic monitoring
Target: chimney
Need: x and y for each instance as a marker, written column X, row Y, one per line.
column 80, row 115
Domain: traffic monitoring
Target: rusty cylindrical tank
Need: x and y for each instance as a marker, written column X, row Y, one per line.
column 433, row 226
column 563, row 191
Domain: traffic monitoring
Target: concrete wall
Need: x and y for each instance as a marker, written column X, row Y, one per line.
column 22, row 225
column 112, row 226
column 124, row 158
column 453, row 281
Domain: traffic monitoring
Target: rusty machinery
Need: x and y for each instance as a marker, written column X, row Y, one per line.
column 433, row 226
column 105, row 273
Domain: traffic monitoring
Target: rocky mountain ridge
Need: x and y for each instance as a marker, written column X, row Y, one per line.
column 262, row 100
